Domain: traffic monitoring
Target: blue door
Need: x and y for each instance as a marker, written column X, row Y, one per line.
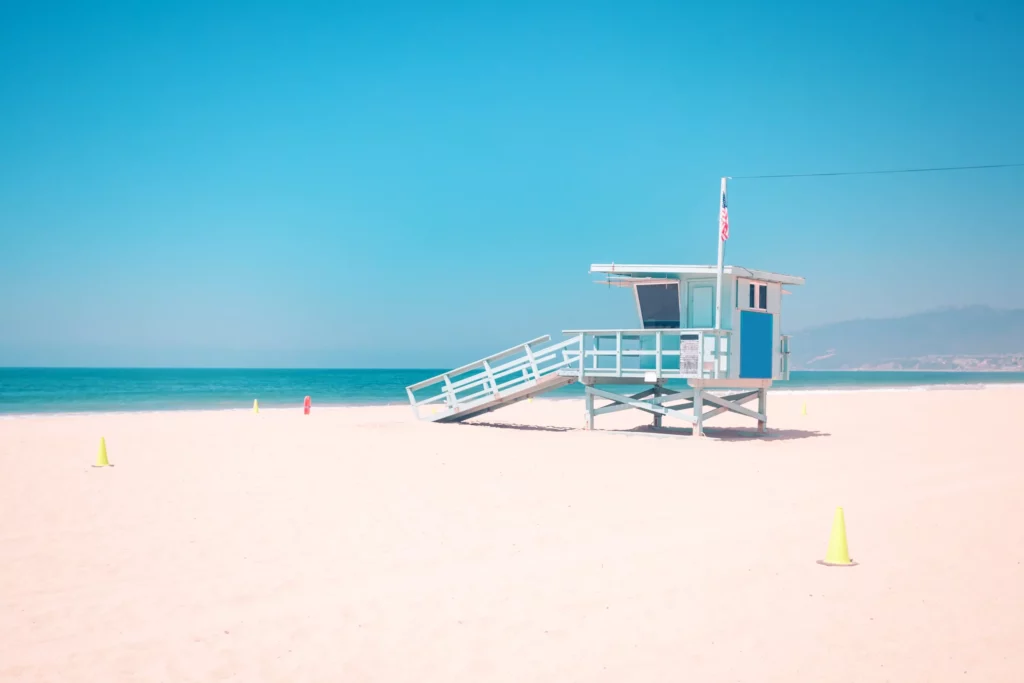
column 756, row 345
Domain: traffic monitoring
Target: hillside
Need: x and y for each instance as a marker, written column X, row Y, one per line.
column 974, row 338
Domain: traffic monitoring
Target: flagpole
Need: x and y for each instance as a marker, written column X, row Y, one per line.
column 718, row 286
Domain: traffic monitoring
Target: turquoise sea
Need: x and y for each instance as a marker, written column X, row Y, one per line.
column 58, row 390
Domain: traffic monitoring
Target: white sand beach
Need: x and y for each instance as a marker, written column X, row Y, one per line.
column 356, row 544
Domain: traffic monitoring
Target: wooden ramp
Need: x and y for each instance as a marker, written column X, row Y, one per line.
column 496, row 381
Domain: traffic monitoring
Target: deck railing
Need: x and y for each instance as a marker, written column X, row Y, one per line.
column 520, row 366
column 661, row 353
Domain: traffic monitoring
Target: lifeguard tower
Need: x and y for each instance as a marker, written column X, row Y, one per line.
column 688, row 365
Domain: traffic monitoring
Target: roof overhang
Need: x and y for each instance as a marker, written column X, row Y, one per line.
column 653, row 271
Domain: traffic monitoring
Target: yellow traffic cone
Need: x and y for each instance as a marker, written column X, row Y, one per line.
column 255, row 406
column 803, row 410
column 101, row 458
column 837, row 555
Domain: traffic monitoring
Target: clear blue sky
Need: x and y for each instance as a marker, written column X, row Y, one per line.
column 421, row 183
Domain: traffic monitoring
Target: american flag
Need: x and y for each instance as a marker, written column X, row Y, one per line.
column 723, row 219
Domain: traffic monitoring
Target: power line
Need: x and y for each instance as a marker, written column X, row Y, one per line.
column 901, row 170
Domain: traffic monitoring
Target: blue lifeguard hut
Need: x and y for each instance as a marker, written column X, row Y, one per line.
column 709, row 341
column 692, row 367
column 750, row 345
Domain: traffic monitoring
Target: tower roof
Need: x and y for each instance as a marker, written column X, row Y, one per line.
column 638, row 271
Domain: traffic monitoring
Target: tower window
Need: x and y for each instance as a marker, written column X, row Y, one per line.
column 757, row 297
column 659, row 305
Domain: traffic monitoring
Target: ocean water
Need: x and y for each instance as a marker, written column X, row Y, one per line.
column 59, row 390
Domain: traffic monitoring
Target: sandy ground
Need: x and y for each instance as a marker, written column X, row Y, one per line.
column 358, row 545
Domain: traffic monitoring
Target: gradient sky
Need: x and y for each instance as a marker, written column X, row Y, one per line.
column 419, row 184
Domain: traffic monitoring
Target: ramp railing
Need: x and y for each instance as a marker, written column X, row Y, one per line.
column 489, row 379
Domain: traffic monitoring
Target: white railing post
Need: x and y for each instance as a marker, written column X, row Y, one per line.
column 412, row 400
column 618, row 353
column 715, row 355
column 726, row 341
column 701, row 349
column 784, row 344
column 582, row 337
column 533, row 363
column 658, row 347
column 449, row 392
column 490, row 377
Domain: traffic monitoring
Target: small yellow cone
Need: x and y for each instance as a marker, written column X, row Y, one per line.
column 837, row 555
column 101, row 458
column 255, row 406
column 803, row 410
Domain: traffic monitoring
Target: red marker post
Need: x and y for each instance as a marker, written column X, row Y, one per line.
column 306, row 405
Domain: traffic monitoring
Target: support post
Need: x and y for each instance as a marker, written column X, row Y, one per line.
column 698, row 412
column 657, row 392
column 589, row 403
column 762, row 404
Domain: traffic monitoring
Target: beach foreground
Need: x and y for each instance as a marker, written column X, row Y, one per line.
column 357, row 544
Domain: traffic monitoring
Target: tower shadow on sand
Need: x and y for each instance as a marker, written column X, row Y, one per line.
column 717, row 434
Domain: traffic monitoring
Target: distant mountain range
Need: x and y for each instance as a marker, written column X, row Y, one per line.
column 976, row 338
